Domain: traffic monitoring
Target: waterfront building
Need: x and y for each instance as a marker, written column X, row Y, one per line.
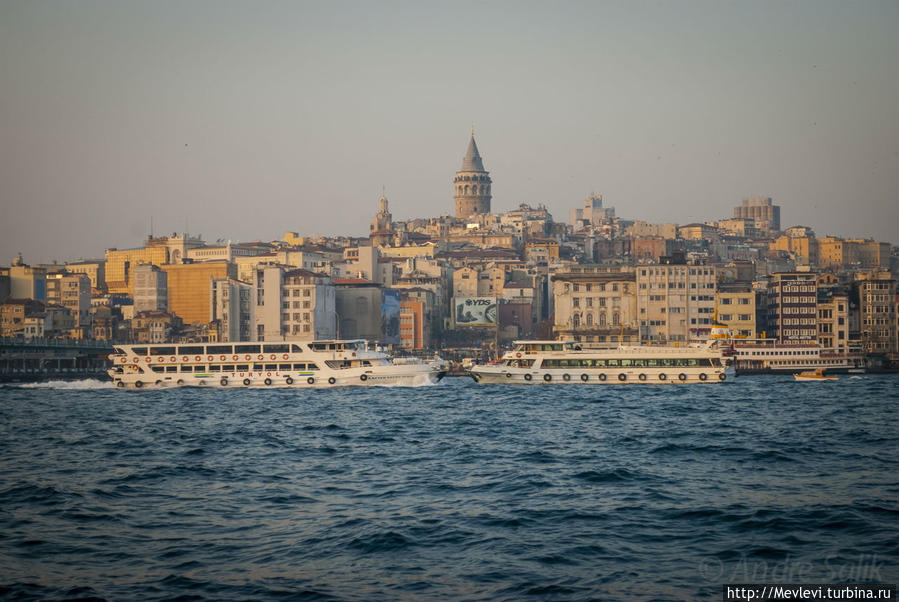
column 792, row 299
column 189, row 286
column 472, row 184
column 595, row 304
column 359, row 304
column 737, row 309
column 875, row 294
column 121, row 263
column 833, row 318
column 233, row 307
column 293, row 305
column 676, row 301
column 72, row 291
column 150, row 288
column 762, row 211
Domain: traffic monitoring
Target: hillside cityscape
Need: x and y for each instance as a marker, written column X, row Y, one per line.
column 472, row 282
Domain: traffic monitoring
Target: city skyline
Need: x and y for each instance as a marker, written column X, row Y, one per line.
column 241, row 121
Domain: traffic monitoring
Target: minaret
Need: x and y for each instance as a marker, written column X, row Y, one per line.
column 382, row 225
column 472, row 183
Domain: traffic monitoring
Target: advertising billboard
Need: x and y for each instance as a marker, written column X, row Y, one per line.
column 474, row 311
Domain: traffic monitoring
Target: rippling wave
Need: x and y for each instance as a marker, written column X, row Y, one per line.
column 456, row 491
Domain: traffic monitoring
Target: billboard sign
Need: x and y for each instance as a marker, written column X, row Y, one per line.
column 474, row 311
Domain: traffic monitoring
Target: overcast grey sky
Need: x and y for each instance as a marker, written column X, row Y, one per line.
column 247, row 119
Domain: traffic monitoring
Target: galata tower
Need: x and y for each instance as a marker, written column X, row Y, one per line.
column 472, row 184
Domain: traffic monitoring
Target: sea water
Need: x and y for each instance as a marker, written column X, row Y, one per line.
column 452, row 491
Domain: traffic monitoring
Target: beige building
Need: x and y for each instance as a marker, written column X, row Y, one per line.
column 762, row 211
column 293, row 305
column 95, row 270
column 233, row 304
column 676, row 302
column 800, row 243
column 736, row 308
column 150, row 289
column 189, row 288
column 876, row 294
column 72, row 291
column 472, row 184
column 833, row 320
column 595, row 304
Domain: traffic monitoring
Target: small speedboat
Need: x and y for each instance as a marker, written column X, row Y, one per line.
column 814, row 375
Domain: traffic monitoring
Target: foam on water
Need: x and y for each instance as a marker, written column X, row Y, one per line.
column 65, row 385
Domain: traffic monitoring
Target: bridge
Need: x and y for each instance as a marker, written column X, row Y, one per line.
column 46, row 359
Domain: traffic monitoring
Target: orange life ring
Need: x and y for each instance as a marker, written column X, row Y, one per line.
column 184, row 358
column 135, row 360
column 124, row 360
column 233, row 357
column 208, row 358
column 259, row 357
column 198, row 358
column 247, row 357
column 274, row 357
column 268, row 373
column 222, row 358
column 517, row 355
column 173, row 359
column 146, row 359
column 160, row 359
column 284, row 356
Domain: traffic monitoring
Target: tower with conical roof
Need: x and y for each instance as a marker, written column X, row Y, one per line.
column 472, row 184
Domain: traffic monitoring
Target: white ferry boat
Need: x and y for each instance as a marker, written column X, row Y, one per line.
column 560, row 362
column 765, row 356
column 305, row 364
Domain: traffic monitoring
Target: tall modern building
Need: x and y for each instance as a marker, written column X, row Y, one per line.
column 472, row 184
column 761, row 209
column 793, row 307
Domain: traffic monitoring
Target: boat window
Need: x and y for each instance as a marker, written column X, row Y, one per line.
column 318, row 346
column 246, row 349
column 275, row 348
column 228, row 368
column 613, row 362
column 242, row 367
column 283, row 367
column 220, row 349
column 296, row 349
column 158, row 368
column 215, row 368
column 162, row 351
column 139, row 350
column 271, row 366
column 191, row 350
column 257, row 367
column 311, row 367
column 171, row 368
column 187, row 368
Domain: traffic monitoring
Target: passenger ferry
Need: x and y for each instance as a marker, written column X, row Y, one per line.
column 765, row 356
column 257, row 364
column 555, row 362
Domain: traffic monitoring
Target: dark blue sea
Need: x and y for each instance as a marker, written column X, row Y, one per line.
column 453, row 491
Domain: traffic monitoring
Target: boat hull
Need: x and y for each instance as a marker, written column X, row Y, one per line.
column 402, row 376
column 643, row 376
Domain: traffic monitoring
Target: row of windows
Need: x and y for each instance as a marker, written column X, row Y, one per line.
column 798, row 310
column 740, row 317
column 576, row 287
column 588, row 321
column 235, row 368
column 216, row 349
column 627, row 363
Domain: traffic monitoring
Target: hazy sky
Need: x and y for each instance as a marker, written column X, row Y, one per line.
column 242, row 120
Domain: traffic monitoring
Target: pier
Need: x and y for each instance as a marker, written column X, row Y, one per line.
column 24, row 360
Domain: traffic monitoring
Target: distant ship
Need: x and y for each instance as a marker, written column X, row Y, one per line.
column 766, row 356
column 333, row 363
column 554, row 362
